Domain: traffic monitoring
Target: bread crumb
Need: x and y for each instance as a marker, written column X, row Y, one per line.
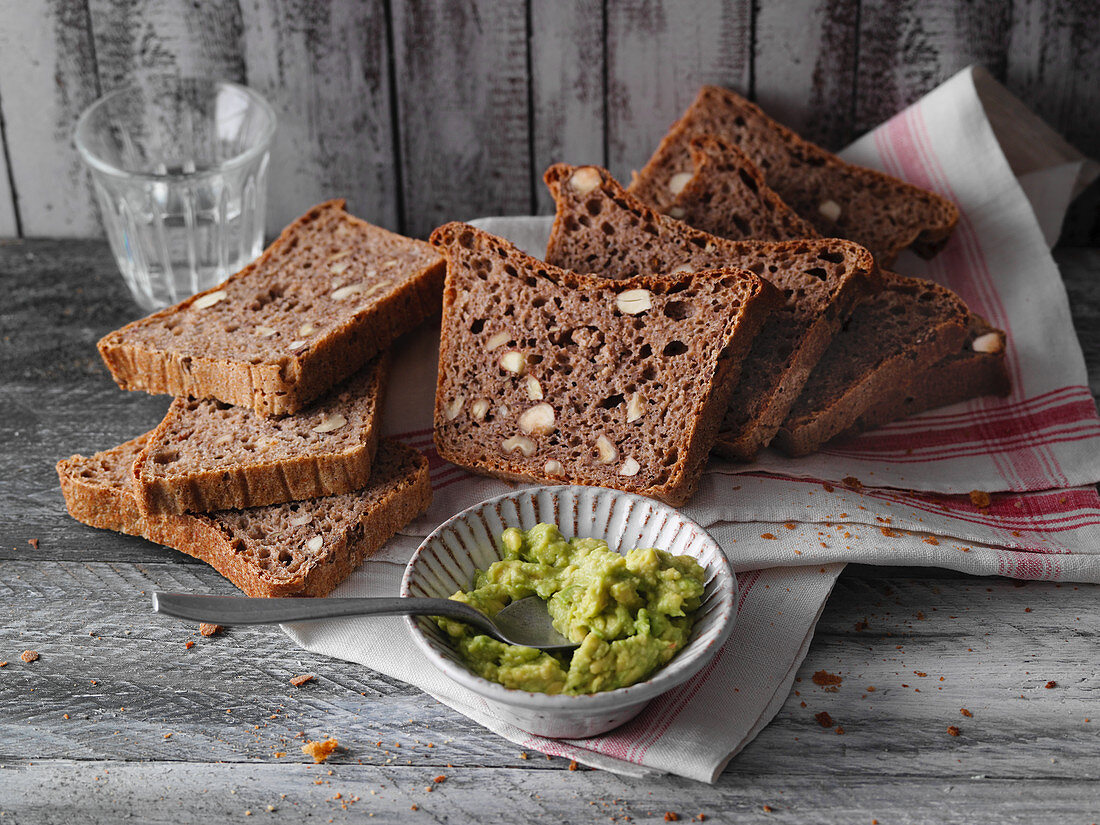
column 980, row 498
column 966, row 713
column 29, row 656
column 767, row 809
column 952, row 730
column 300, row 680
column 33, row 543
column 190, row 644
column 823, row 678
column 767, row 536
column 572, row 764
column 440, row 778
column 853, row 482
column 824, row 719
column 1051, row 684
column 672, row 816
column 207, row 629
column 320, row 751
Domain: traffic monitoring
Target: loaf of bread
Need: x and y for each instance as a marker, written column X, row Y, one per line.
column 978, row 368
column 726, row 195
column 300, row 549
column 329, row 294
column 553, row 376
column 206, row 455
column 603, row 230
column 907, row 327
column 873, row 209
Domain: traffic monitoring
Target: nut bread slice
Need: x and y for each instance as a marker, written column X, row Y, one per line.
column 907, row 327
column 873, row 209
column 304, row 548
column 603, row 230
column 206, row 455
column 330, row 293
column 978, row 368
column 554, row 376
column 726, row 195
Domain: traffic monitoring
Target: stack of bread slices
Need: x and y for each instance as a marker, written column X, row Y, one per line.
column 608, row 362
column 735, row 296
column 269, row 463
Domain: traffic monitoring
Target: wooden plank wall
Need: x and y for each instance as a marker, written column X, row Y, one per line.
column 420, row 111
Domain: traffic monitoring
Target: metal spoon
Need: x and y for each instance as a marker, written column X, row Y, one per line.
column 524, row 622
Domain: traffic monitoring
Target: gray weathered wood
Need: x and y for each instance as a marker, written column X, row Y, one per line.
column 658, row 54
column 908, row 47
column 1054, row 66
column 81, row 600
column 325, row 68
column 804, row 66
column 9, row 221
column 168, row 792
column 138, row 39
column 462, row 102
column 47, row 77
column 567, row 88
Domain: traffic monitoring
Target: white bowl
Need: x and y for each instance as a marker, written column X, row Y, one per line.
column 450, row 556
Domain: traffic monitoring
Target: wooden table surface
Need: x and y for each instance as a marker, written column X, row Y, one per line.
column 118, row 719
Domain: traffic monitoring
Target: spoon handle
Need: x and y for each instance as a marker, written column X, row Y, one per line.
column 231, row 610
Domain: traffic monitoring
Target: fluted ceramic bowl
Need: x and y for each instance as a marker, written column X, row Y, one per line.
column 449, row 558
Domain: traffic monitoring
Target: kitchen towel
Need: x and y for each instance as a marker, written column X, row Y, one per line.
column 992, row 486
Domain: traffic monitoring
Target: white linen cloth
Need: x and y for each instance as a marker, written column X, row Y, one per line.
column 893, row 496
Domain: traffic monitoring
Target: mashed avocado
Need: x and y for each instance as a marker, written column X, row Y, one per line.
column 629, row 614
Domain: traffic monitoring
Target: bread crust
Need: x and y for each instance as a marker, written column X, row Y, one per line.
column 791, row 340
column 401, row 490
column 821, row 414
column 313, row 471
column 959, row 377
column 283, row 384
column 465, row 442
column 816, row 176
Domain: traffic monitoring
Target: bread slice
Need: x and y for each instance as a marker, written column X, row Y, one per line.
column 206, row 455
column 976, row 369
column 553, row 376
column 327, row 296
column 873, row 209
column 726, row 195
column 907, row 327
column 301, row 549
column 601, row 229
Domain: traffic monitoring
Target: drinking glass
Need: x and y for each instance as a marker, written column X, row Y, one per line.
column 180, row 172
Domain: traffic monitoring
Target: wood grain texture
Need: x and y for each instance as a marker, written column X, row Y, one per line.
column 47, row 77
column 138, row 39
column 908, row 47
column 124, row 677
column 325, row 68
column 567, row 88
column 168, row 792
column 1053, row 65
column 658, row 54
column 9, row 218
column 462, row 101
column 804, row 67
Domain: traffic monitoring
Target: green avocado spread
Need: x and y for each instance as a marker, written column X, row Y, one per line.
column 628, row 613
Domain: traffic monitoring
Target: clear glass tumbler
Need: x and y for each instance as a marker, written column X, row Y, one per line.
column 180, row 172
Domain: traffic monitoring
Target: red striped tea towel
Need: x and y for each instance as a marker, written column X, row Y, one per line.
column 897, row 496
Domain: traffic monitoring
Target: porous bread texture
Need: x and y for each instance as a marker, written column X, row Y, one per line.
column 330, row 293
column 601, row 229
column 840, row 199
column 554, row 376
column 206, row 455
column 977, row 369
column 303, row 548
column 907, row 327
column 727, row 196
